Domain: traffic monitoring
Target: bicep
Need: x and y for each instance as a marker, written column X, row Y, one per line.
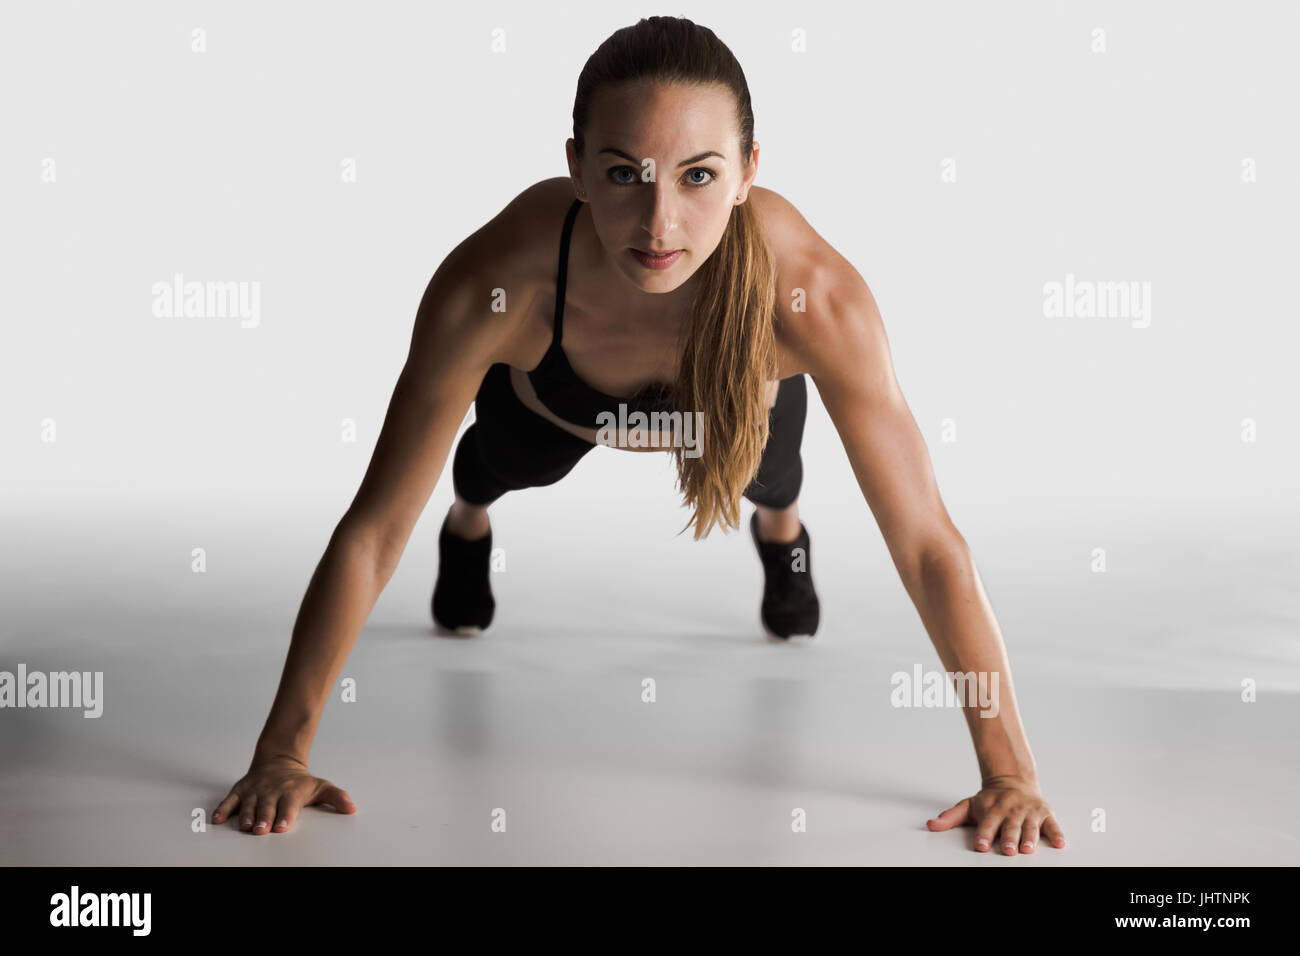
column 854, row 374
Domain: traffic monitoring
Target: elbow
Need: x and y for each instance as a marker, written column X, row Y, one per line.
column 368, row 545
column 939, row 557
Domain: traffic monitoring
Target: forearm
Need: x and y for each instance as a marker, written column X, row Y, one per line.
column 957, row 614
column 340, row 596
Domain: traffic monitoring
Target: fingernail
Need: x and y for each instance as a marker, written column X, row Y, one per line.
column 281, row 825
column 1008, row 846
column 1028, row 845
column 982, row 843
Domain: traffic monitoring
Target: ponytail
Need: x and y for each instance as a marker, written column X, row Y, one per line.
column 727, row 360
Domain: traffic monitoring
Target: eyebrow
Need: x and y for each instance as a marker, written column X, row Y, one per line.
column 684, row 162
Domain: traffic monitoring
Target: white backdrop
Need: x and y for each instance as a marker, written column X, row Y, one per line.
column 963, row 156
column 227, row 165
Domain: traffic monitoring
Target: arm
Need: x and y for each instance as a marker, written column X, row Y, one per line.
column 451, row 350
column 455, row 340
column 843, row 343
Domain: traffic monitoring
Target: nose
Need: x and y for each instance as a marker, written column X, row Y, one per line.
column 659, row 217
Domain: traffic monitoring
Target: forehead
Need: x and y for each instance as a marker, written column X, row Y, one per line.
column 664, row 120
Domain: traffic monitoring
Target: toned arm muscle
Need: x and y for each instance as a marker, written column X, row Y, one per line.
column 456, row 339
column 848, row 353
column 840, row 340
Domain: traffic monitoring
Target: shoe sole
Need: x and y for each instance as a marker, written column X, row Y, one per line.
column 465, row 630
column 799, row 639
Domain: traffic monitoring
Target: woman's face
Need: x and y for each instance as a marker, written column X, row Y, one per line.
column 662, row 170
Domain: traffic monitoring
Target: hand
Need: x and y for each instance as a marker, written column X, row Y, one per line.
column 273, row 791
column 1011, row 803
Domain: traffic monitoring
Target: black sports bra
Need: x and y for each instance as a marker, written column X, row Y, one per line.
column 557, row 385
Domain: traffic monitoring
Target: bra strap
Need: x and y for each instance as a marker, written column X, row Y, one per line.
column 562, row 275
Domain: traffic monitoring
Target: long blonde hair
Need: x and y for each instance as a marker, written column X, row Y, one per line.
column 729, row 347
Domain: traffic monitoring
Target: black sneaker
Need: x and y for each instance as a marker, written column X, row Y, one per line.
column 462, row 595
column 790, row 606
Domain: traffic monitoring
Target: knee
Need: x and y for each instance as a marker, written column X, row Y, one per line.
column 471, row 481
column 777, row 489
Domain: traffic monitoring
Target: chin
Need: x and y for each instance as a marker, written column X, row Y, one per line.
column 657, row 283
column 658, row 286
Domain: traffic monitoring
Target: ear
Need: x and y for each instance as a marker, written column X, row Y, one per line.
column 575, row 171
column 747, row 179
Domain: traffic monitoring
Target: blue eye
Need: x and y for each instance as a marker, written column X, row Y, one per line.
column 616, row 175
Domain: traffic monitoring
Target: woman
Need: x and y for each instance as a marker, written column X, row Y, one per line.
column 685, row 293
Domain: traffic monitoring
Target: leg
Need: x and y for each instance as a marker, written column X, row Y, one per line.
column 790, row 606
column 475, row 487
column 509, row 447
column 468, row 516
column 775, row 488
column 780, row 525
column 466, row 520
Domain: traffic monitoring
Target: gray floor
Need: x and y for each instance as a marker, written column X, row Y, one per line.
column 1129, row 685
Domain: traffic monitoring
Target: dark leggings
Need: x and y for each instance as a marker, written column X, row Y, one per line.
column 510, row 447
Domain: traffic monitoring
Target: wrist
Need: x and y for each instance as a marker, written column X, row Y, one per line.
column 1007, row 763
column 1021, row 778
column 262, row 755
column 288, row 732
column 276, row 747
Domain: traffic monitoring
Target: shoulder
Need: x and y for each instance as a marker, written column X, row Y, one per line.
column 502, row 269
column 520, row 243
column 823, row 305
column 803, row 258
column 529, row 225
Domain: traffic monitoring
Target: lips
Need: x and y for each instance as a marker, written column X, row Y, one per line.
column 656, row 261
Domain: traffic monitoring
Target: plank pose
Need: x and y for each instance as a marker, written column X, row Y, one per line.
column 682, row 313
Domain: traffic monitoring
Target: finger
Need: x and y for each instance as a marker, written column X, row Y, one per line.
column 290, row 805
column 987, row 827
column 226, row 807
column 265, row 815
column 334, row 797
column 1011, row 827
column 247, row 813
column 1029, row 833
column 954, row 816
column 1053, row 832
